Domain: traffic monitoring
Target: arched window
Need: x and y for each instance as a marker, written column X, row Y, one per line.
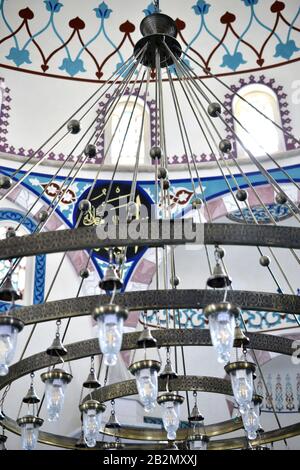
column 132, row 136
column 264, row 132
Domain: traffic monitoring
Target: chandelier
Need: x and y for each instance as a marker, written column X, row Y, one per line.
column 160, row 67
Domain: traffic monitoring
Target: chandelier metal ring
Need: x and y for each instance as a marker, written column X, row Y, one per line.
column 85, row 238
column 158, row 300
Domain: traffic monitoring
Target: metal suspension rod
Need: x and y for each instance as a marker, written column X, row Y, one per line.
column 65, row 254
column 193, row 77
column 52, row 207
column 245, row 220
column 119, row 72
column 291, row 136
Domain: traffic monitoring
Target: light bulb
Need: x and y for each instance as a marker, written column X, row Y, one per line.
column 91, row 427
column 242, row 385
column 147, row 385
column 55, row 396
column 110, row 329
column 8, row 341
column 171, row 419
column 221, row 318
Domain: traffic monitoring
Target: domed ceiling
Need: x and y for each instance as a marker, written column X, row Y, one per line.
column 59, row 38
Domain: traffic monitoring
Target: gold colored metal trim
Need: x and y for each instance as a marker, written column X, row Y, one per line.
column 221, row 307
column 56, row 374
column 37, row 422
column 12, row 321
column 110, row 309
column 240, row 365
column 145, row 364
column 92, row 405
column 170, row 397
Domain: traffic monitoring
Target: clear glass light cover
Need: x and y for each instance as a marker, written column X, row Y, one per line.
column 91, row 427
column 171, row 418
column 29, row 436
column 147, row 385
column 198, row 444
column 242, row 386
column 222, row 326
column 8, row 342
column 110, row 330
column 55, row 397
column 251, row 421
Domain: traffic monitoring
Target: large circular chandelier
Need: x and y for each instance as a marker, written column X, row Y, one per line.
column 158, row 66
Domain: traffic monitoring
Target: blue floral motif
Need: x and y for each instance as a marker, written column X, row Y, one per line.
column 286, row 50
column 201, row 8
column 150, row 9
column 233, row 61
column 72, row 67
column 103, row 11
column 53, row 6
column 250, row 3
column 19, row 56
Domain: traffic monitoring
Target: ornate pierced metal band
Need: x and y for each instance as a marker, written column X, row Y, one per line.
column 156, row 233
column 170, row 337
column 159, row 300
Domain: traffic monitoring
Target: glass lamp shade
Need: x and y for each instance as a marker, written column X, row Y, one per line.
column 30, row 426
column 55, row 382
column 251, row 422
column 199, row 443
column 241, row 375
column 171, row 413
column 91, row 415
column 146, row 374
column 110, row 321
column 3, row 440
column 221, row 318
column 9, row 329
column 251, row 417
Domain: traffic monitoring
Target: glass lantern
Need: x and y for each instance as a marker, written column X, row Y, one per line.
column 222, row 319
column 9, row 329
column 55, row 382
column 146, row 375
column 241, row 375
column 199, row 442
column 171, row 403
column 30, row 426
column 110, row 321
column 251, row 417
column 3, row 440
column 91, row 416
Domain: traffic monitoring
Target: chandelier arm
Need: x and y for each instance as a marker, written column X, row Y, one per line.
column 208, row 72
column 233, row 195
column 254, row 160
column 124, row 85
column 62, row 192
column 250, row 154
column 233, row 116
column 36, row 153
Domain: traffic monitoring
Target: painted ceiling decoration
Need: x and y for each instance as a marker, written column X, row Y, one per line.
column 61, row 44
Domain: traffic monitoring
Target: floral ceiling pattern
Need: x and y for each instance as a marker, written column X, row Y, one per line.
column 44, row 40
